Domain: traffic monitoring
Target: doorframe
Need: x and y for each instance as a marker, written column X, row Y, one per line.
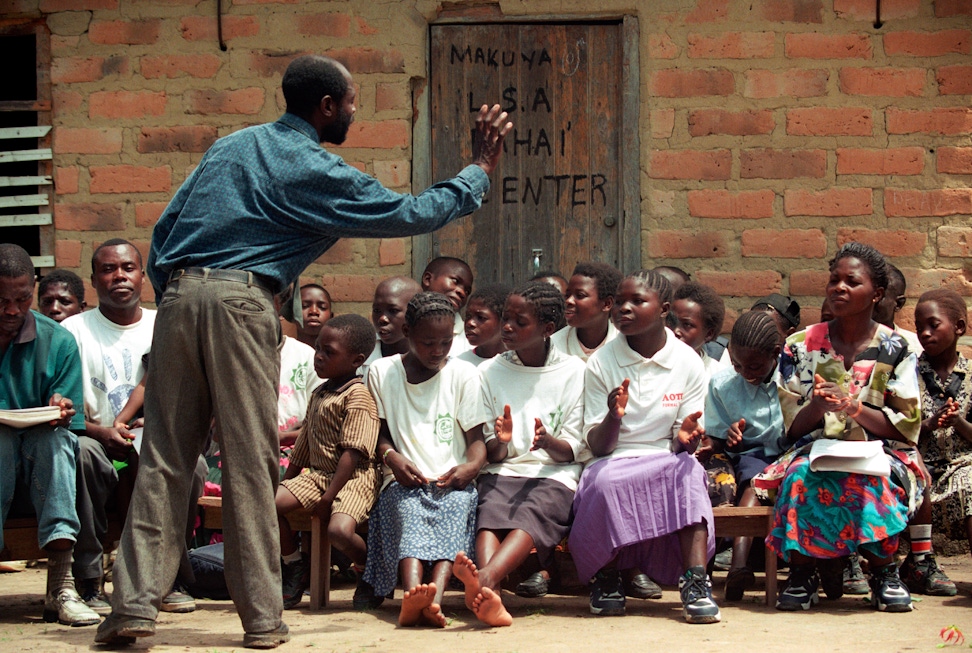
column 425, row 247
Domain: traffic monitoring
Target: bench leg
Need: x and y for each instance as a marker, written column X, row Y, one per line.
column 320, row 565
column 769, row 562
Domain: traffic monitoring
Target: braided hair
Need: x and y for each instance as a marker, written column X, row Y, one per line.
column 548, row 303
column 756, row 330
column 654, row 280
column 427, row 305
column 874, row 260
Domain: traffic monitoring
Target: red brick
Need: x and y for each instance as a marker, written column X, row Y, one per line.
column 270, row 63
column 928, row 44
column 661, row 46
column 832, row 203
column 391, row 96
column 890, row 243
column 673, row 82
column 784, row 243
column 203, row 28
column 717, row 203
column 920, row 281
column 245, row 101
column 884, row 82
column 391, row 251
column 955, row 241
column 186, row 138
column 176, row 65
column 892, row 161
column 708, row 11
column 341, row 252
column 130, row 179
column 822, row 121
column 368, row 60
column 808, row 282
column 732, row 45
column 662, row 123
column 687, row 244
column 791, row 11
column 66, row 102
column 782, row 164
column 954, row 160
column 72, row 70
column 949, row 8
column 864, row 9
column 382, row 135
column 52, row 6
column 907, row 203
column 126, row 104
column 148, row 213
column 954, row 80
column 811, row 45
column 705, row 122
column 707, row 165
column 66, row 180
column 950, row 121
column 351, row 287
column 265, row 2
column 744, row 283
column 88, row 216
column 330, row 24
column 124, row 32
column 87, row 141
column 785, row 83
column 67, row 253
column 394, row 174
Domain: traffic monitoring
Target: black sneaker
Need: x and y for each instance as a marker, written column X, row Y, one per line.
column 738, row 581
column 888, row 593
column 535, row 586
column 642, row 587
column 695, row 589
column 93, row 595
column 831, row 574
column 854, row 581
column 364, row 596
column 296, row 578
column 607, row 594
column 926, row 577
column 800, row 590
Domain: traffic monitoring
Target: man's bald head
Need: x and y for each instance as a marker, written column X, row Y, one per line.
column 309, row 79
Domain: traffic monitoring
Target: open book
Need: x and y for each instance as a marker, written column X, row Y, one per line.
column 853, row 456
column 22, row 418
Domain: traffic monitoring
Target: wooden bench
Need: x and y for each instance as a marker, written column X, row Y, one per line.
column 20, row 538
column 300, row 520
column 731, row 521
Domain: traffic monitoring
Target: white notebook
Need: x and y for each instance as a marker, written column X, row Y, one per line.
column 25, row 417
column 854, row 456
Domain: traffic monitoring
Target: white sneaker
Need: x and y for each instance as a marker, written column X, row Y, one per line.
column 67, row 608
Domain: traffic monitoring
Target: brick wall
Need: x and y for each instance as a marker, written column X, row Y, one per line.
column 773, row 131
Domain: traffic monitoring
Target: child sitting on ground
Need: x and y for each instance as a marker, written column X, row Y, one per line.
column 316, row 310
column 484, row 332
column 700, row 312
column 337, row 443
column 453, row 278
column 643, row 501
column 588, row 303
column 391, row 299
column 536, row 393
column 60, row 294
column 431, row 444
column 745, row 424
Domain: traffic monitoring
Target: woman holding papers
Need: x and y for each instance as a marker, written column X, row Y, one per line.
column 849, row 379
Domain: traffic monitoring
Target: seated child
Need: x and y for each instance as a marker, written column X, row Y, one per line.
column 745, row 424
column 60, row 294
column 536, row 393
column 677, row 277
column 784, row 311
column 315, row 307
column 431, row 445
column 700, row 312
column 337, row 444
column 643, row 501
column 453, row 278
column 588, row 301
column 891, row 304
column 392, row 296
column 484, row 332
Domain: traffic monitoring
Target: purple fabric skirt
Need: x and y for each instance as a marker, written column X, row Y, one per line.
column 632, row 509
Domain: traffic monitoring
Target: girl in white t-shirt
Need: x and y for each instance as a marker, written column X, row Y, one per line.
column 431, row 445
column 643, row 502
column 484, row 313
column 535, row 392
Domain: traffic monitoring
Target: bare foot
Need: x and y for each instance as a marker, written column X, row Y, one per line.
column 465, row 570
column 416, row 600
column 488, row 607
column 432, row 616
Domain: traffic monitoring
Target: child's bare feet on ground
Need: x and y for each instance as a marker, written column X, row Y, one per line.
column 418, row 608
column 488, row 608
column 465, row 570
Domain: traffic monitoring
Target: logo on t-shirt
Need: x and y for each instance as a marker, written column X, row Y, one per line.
column 298, row 376
column 444, row 428
column 671, row 399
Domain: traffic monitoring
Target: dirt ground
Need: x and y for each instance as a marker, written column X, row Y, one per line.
column 554, row 623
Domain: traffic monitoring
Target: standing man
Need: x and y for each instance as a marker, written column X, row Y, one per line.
column 39, row 366
column 263, row 204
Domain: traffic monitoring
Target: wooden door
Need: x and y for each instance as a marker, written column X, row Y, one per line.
column 560, row 193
